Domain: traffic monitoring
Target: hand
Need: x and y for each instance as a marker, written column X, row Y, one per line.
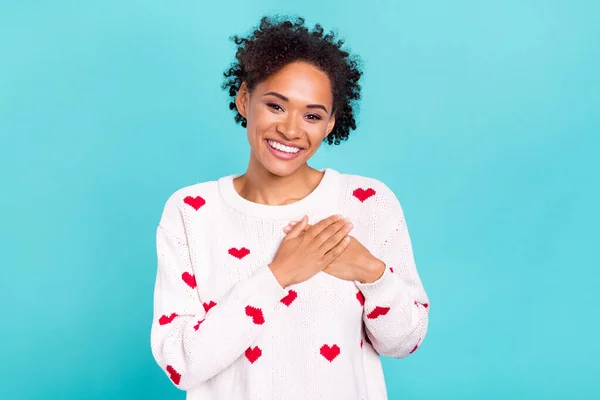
column 304, row 251
column 356, row 263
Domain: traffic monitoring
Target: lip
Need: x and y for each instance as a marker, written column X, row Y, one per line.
column 282, row 155
column 286, row 143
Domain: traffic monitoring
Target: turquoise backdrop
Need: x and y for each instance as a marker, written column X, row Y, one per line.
column 482, row 116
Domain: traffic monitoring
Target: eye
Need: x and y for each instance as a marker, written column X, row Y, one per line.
column 314, row 117
column 275, row 106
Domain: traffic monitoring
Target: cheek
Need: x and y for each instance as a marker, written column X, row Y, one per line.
column 254, row 121
column 260, row 121
column 317, row 132
column 261, row 114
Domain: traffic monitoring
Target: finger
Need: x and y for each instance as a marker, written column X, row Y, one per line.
column 289, row 227
column 320, row 226
column 335, row 238
column 334, row 253
column 295, row 231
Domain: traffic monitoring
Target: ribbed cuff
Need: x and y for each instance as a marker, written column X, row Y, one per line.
column 385, row 289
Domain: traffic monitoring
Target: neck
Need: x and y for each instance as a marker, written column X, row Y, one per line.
column 259, row 185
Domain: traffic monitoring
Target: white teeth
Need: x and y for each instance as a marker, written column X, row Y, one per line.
column 281, row 147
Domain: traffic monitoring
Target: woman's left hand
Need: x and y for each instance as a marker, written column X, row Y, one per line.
column 356, row 263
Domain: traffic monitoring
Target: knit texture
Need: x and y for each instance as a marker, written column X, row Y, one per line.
column 224, row 328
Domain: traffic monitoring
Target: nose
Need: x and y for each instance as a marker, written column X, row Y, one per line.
column 290, row 127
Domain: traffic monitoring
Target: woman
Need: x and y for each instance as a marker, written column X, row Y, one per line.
column 286, row 282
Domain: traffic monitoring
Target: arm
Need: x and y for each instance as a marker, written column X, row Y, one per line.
column 190, row 340
column 396, row 305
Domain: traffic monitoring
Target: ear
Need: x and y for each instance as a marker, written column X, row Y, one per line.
column 242, row 100
column 330, row 124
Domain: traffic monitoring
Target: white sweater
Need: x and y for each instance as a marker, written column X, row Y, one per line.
column 224, row 328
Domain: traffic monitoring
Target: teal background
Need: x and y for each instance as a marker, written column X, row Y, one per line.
column 482, row 116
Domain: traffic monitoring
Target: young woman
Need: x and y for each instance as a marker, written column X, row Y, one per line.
column 286, row 282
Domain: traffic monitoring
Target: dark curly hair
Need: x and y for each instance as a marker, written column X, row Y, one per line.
column 275, row 43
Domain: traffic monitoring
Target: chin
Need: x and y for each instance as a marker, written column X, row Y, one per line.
column 279, row 168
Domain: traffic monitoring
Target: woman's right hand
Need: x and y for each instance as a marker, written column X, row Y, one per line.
column 302, row 254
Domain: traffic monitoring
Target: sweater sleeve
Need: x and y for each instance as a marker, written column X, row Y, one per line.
column 396, row 305
column 193, row 341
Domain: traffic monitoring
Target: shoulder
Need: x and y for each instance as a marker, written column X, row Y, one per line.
column 193, row 195
column 367, row 189
column 374, row 204
column 371, row 200
column 185, row 201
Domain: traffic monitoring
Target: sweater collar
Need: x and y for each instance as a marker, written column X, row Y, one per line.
column 320, row 195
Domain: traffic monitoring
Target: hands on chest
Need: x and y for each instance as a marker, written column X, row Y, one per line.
column 325, row 246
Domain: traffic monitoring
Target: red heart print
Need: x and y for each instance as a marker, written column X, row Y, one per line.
column 239, row 253
column 194, row 202
column 167, row 320
column 189, row 279
column 289, row 299
column 415, row 348
column 377, row 312
column 197, row 326
column 174, row 375
column 256, row 314
column 209, row 305
column 360, row 297
column 363, row 194
column 391, row 270
column 423, row 304
column 253, row 354
column 330, row 352
column 361, row 344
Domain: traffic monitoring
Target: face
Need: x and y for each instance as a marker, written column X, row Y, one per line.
column 288, row 116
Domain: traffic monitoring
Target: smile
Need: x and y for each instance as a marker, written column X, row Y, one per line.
column 286, row 149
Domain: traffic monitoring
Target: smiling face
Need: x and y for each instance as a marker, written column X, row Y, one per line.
column 288, row 116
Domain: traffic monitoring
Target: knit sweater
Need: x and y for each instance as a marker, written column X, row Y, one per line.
column 223, row 326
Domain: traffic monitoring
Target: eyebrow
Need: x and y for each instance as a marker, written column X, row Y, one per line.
column 282, row 97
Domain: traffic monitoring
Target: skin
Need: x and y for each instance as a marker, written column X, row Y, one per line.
column 290, row 122
column 293, row 107
column 355, row 263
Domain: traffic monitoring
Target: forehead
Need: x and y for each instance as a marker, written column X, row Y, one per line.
column 300, row 81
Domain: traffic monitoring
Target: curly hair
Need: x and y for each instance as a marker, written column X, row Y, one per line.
column 276, row 43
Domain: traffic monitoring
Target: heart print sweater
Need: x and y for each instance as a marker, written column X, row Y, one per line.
column 224, row 328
